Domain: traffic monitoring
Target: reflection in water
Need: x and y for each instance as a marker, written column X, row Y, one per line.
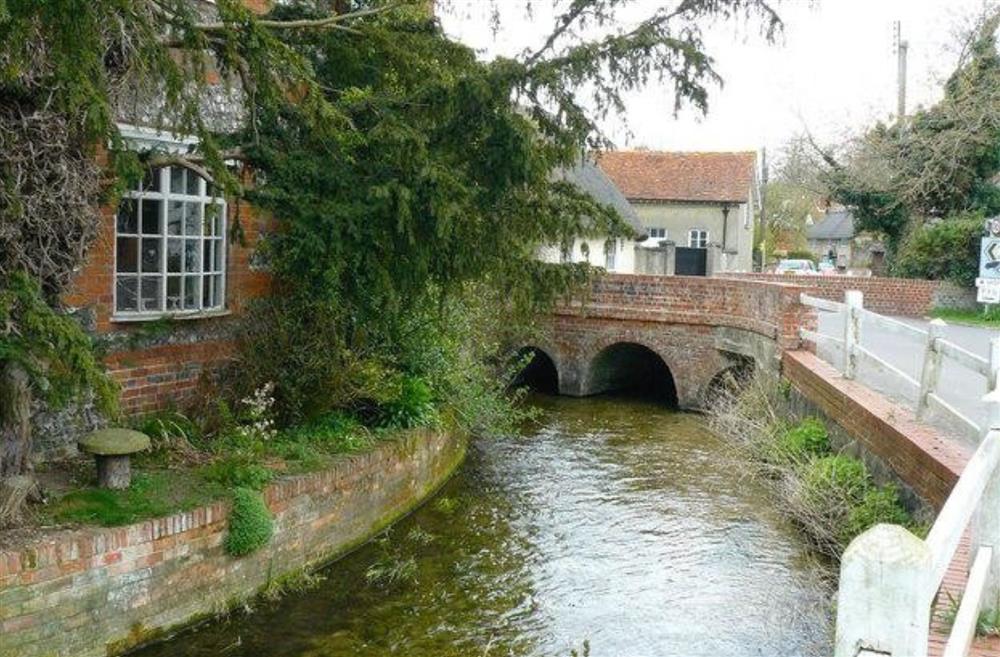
column 615, row 522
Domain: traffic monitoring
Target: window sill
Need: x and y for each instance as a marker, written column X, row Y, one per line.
column 131, row 318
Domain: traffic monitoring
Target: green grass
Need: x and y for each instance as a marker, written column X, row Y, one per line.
column 989, row 318
column 161, row 486
column 152, row 494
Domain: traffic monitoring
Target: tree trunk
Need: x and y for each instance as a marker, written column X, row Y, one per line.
column 15, row 420
column 113, row 472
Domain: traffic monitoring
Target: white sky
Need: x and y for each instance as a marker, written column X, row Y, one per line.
column 833, row 69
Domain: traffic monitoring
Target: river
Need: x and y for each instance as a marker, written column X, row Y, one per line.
column 613, row 522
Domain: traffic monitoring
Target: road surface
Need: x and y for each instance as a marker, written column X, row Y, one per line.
column 960, row 387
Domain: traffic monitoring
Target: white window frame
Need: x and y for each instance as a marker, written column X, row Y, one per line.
column 611, row 255
column 216, row 237
column 698, row 238
column 657, row 229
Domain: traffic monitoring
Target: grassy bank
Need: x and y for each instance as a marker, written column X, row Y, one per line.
column 828, row 494
column 186, row 469
column 988, row 317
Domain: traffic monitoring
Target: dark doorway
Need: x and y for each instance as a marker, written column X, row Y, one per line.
column 635, row 370
column 539, row 374
column 691, row 262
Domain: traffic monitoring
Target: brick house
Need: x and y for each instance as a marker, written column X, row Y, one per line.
column 164, row 282
column 704, row 203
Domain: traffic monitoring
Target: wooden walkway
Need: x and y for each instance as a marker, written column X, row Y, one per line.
column 953, row 585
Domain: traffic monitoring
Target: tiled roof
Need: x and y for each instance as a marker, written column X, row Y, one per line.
column 835, row 225
column 677, row 176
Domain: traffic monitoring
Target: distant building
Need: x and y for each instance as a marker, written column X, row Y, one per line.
column 702, row 202
column 832, row 237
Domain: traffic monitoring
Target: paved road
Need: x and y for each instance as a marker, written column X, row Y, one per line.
column 961, row 387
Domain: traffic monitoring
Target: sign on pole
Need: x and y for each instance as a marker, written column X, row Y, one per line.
column 988, row 283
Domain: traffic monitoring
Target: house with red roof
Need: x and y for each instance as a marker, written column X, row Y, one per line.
column 701, row 205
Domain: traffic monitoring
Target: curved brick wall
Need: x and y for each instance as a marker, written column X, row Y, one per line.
column 98, row 592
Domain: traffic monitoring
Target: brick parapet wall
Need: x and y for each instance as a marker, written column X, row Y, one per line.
column 887, row 296
column 98, row 592
column 771, row 309
column 927, row 461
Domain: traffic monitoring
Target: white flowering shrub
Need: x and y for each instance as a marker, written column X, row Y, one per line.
column 256, row 418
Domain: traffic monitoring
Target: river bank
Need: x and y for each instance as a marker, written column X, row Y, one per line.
column 104, row 591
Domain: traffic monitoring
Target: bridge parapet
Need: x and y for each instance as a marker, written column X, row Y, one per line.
column 770, row 309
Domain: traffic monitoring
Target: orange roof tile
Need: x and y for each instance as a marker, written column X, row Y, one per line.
column 678, row 176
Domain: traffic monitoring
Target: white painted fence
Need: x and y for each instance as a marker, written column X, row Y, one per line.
column 889, row 578
column 936, row 348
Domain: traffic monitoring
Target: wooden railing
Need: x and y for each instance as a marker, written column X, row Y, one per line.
column 889, row 578
column 936, row 348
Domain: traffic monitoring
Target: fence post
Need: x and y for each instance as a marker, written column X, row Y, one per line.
column 884, row 604
column 931, row 370
column 994, row 368
column 985, row 524
column 854, row 301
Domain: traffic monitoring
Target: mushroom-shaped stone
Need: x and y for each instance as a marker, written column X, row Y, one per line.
column 111, row 449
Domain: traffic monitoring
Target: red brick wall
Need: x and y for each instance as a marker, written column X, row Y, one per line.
column 163, row 371
column 888, row 296
column 926, row 460
column 770, row 309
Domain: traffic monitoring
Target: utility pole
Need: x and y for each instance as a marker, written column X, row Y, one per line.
column 763, row 212
column 901, row 47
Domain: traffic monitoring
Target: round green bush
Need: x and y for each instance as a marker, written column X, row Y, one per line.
column 946, row 250
column 250, row 523
column 805, row 439
column 878, row 505
column 836, row 479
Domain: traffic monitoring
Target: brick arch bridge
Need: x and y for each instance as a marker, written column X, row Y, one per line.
column 698, row 327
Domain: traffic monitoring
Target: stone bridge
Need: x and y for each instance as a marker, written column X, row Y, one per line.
column 677, row 333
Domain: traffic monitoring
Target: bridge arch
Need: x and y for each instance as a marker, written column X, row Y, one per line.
column 541, row 373
column 630, row 366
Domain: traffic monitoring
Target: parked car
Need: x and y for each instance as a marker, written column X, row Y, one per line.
column 827, row 268
column 799, row 267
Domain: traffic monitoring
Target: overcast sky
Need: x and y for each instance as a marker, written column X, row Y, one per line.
column 833, row 70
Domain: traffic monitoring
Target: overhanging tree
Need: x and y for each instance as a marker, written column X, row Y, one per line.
column 355, row 109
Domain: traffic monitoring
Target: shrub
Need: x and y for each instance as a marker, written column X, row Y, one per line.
column 946, row 250
column 879, row 505
column 806, row 439
column 836, row 479
column 412, row 406
column 250, row 523
column 801, row 254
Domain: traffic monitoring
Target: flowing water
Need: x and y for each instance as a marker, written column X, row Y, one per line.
column 614, row 522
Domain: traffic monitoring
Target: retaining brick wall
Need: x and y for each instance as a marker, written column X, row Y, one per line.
column 927, row 461
column 100, row 592
column 888, row 296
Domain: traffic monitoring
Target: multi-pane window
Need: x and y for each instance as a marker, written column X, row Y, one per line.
column 610, row 255
column 658, row 233
column 170, row 246
column 698, row 238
